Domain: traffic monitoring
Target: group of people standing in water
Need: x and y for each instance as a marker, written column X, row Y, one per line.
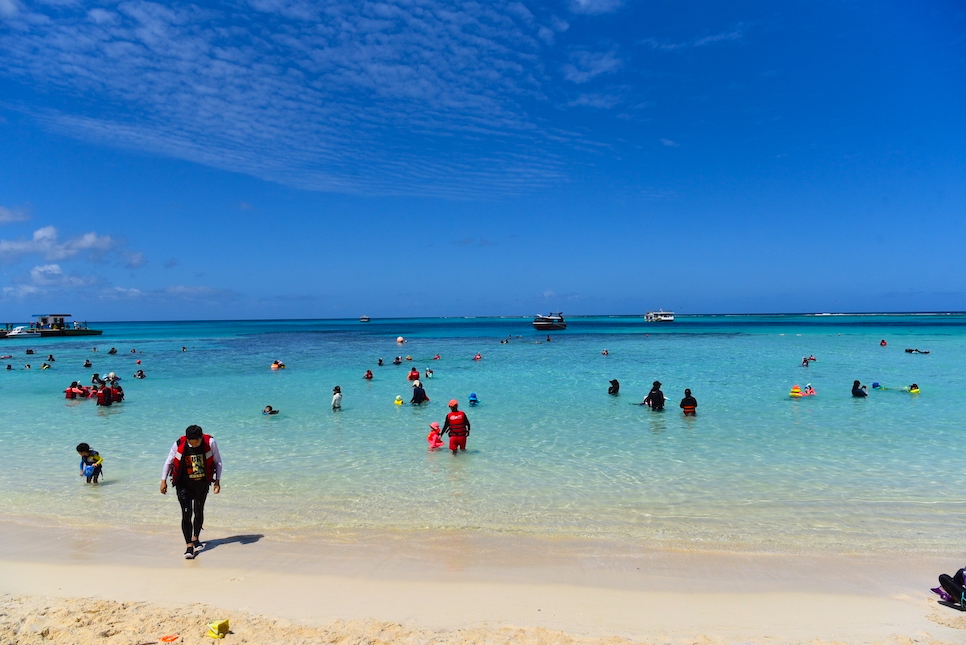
column 656, row 400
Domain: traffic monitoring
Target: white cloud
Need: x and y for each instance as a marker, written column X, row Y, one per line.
column 45, row 242
column 313, row 95
column 15, row 214
column 595, row 6
column 134, row 259
column 51, row 275
column 670, row 144
column 586, row 65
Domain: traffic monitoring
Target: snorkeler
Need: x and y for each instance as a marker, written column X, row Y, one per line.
column 87, row 363
column 473, row 401
column 269, row 410
column 805, row 361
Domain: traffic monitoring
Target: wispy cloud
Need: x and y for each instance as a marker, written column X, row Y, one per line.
column 593, row 100
column 15, row 214
column 670, row 144
column 595, row 6
column 585, row 65
column 313, row 95
column 734, row 33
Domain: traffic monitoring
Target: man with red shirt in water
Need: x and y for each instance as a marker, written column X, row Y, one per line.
column 458, row 427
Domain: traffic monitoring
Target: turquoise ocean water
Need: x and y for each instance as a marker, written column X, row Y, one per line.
column 551, row 454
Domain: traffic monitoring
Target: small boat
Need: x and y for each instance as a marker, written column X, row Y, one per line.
column 550, row 322
column 23, row 332
column 659, row 316
column 364, row 319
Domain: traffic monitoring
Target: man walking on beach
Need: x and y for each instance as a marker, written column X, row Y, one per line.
column 458, row 427
column 193, row 464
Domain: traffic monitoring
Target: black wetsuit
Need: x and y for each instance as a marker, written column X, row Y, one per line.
column 859, row 392
column 419, row 396
column 655, row 399
column 192, row 490
column 614, row 388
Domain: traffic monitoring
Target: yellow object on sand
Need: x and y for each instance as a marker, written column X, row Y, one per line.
column 218, row 629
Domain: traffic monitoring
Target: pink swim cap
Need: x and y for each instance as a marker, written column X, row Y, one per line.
column 434, row 425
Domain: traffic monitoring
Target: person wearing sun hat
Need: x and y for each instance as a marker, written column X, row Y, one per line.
column 458, row 427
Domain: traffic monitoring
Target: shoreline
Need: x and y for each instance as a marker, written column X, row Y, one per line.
column 542, row 584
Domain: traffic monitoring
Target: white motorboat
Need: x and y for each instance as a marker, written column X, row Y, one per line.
column 550, row 322
column 23, row 332
column 659, row 316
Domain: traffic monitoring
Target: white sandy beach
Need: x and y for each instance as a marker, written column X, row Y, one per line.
column 451, row 588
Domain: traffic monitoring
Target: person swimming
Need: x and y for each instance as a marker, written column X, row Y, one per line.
column 805, row 361
column 436, row 358
column 87, row 363
column 428, row 373
column 473, row 401
column 605, row 353
column 367, row 375
column 269, row 410
column 615, row 387
column 413, row 374
column 140, row 374
column 397, row 360
column 379, row 363
column 478, row 357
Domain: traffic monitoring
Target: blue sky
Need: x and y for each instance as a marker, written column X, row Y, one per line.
column 285, row 158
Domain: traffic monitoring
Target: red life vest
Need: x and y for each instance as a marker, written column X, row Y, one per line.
column 70, row 393
column 116, row 395
column 104, row 397
column 209, row 458
column 456, row 423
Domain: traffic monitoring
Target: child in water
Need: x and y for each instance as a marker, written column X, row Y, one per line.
column 473, row 400
column 90, row 463
column 433, row 437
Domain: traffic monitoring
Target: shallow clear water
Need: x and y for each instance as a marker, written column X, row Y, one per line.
column 550, row 454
